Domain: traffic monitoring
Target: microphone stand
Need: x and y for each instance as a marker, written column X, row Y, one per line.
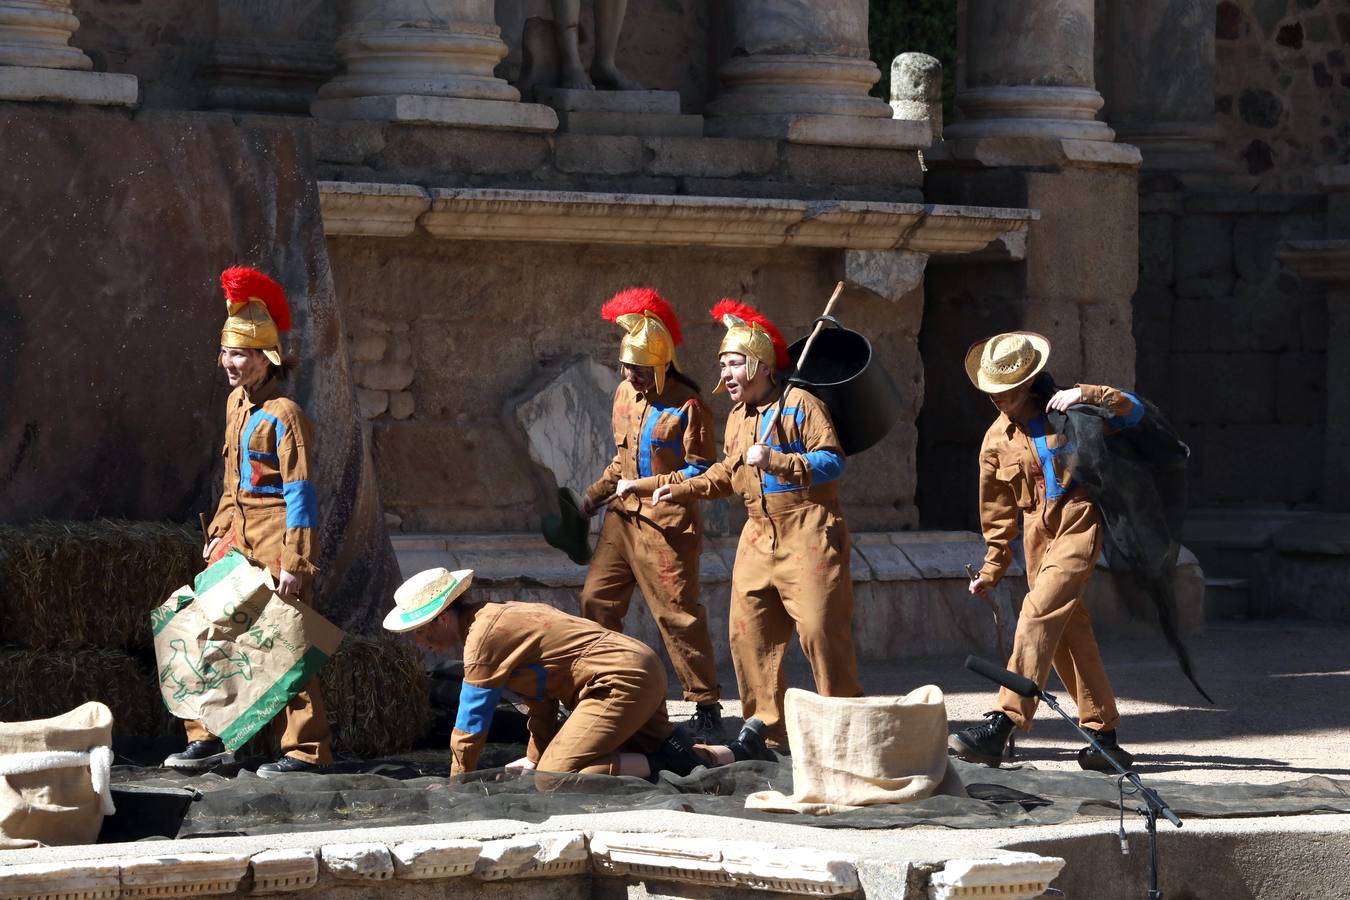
column 1154, row 805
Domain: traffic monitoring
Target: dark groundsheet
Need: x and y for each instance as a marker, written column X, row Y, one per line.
column 415, row 791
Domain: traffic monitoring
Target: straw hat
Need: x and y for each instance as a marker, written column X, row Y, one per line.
column 422, row 597
column 1005, row 361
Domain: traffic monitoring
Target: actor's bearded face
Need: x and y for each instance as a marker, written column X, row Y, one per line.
column 246, row 367
column 740, row 387
column 642, row 378
column 441, row 634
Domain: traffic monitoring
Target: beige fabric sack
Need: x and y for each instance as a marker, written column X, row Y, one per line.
column 849, row 752
column 54, row 778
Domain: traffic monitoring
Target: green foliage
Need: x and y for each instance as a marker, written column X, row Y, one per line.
column 905, row 26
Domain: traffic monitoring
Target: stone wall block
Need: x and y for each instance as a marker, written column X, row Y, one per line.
column 1224, row 388
column 1155, row 248
column 413, row 150
column 368, row 861
column 1254, row 240
column 1301, row 388
column 533, row 856
column 369, row 347
column 1083, row 249
column 401, row 405
column 852, row 165
column 284, row 871
column 1261, row 463
column 1059, row 321
column 711, row 157
column 567, row 423
column 1108, row 345
column 384, row 376
column 183, row 874
column 596, row 154
column 422, row 860
column 78, row 880
column 371, row 403
column 892, row 275
column 1203, row 261
column 401, row 349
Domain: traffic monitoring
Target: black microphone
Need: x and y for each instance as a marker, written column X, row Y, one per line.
column 1018, row 684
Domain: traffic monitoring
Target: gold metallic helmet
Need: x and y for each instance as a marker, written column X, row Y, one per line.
column 258, row 312
column 653, row 332
column 751, row 334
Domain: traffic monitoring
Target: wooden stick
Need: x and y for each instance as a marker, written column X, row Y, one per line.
column 801, row 358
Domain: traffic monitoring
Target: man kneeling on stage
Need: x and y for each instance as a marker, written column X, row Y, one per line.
column 614, row 685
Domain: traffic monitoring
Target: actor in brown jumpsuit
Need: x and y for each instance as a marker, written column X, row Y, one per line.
column 783, row 458
column 1023, row 475
column 661, row 425
column 269, row 508
column 615, row 687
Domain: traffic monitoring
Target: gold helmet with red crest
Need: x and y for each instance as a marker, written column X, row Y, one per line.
column 752, row 334
column 257, row 312
column 652, row 330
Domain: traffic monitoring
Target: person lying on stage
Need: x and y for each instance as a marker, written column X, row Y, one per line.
column 1023, row 476
column 661, row 424
column 613, row 685
column 792, row 562
column 269, row 508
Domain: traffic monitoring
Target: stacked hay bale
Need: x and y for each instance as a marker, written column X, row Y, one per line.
column 75, row 602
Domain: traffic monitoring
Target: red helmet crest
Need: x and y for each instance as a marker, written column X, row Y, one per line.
column 243, row 284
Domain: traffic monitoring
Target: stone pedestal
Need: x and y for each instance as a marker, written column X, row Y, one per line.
column 38, row 63
column 641, row 113
column 1158, row 80
column 1028, row 71
column 801, row 72
column 426, row 61
column 916, row 90
column 270, row 56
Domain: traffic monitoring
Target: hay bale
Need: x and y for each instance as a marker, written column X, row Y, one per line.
column 39, row 684
column 377, row 695
column 78, row 585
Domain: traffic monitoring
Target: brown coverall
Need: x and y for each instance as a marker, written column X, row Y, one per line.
column 269, row 512
column 656, row 548
column 1062, row 537
column 614, row 685
column 792, row 563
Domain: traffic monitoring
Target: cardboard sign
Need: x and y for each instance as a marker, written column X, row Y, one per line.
column 232, row 652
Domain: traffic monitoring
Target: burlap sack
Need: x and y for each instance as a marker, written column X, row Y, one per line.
column 54, row 778
column 862, row 751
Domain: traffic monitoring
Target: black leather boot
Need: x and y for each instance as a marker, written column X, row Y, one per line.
column 1090, row 759
column 984, row 743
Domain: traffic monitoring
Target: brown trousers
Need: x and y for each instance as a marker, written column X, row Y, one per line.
column 792, row 569
column 621, row 708
column 664, row 563
column 1054, row 628
column 301, row 729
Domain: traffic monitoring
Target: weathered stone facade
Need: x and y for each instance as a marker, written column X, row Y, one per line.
column 1282, row 88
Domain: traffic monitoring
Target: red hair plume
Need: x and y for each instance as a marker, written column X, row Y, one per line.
column 740, row 310
column 640, row 300
column 242, row 284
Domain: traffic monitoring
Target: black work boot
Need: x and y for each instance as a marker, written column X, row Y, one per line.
column 676, row 754
column 984, row 743
column 706, row 725
column 199, row 756
column 288, row 765
column 1090, row 759
column 749, row 744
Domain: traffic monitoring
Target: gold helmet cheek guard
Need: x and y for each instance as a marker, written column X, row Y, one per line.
column 647, row 343
column 751, row 342
column 249, row 327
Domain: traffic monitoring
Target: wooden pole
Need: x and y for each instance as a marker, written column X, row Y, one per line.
column 801, row 358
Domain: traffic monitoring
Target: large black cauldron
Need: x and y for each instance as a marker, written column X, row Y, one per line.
column 863, row 401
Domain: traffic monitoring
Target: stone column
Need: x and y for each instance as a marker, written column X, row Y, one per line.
column 799, row 70
column 270, row 56
column 426, row 61
column 38, row 63
column 1028, row 71
column 1158, row 79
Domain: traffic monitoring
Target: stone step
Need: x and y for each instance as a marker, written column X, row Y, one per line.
column 639, row 124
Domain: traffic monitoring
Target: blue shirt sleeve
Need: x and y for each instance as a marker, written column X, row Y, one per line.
column 825, row 465
column 476, row 706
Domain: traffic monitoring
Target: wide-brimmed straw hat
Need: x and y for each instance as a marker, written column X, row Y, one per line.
column 422, row 597
column 1005, row 361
